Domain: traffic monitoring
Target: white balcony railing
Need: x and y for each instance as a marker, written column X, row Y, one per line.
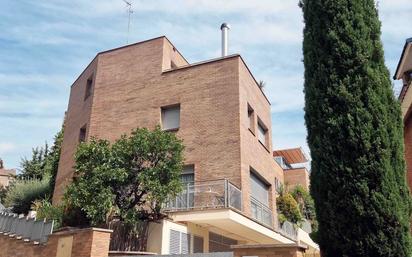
column 206, row 195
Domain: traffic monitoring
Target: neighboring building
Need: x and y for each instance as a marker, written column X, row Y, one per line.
column 293, row 162
column 6, row 175
column 224, row 119
column 404, row 73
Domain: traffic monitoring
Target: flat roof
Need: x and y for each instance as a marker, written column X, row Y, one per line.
column 292, row 155
column 189, row 65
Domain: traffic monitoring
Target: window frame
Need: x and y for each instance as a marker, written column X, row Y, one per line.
column 251, row 119
column 255, row 174
column 163, row 110
column 89, row 87
column 83, row 134
column 261, row 125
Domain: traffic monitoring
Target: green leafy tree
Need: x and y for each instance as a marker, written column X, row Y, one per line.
column 34, row 168
column 52, row 160
column 44, row 162
column 132, row 177
column 354, row 133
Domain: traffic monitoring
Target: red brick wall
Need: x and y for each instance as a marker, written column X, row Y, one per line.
column 133, row 83
column 294, row 177
column 86, row 243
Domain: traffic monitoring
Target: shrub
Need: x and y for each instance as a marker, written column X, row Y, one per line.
column 289, row 208
column 45, row 210
column 22, row 194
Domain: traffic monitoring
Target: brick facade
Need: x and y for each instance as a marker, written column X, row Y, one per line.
column 89, row 242
column 131, row 84
column 298, row 176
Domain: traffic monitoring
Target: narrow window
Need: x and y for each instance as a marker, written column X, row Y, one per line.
column 171, row 117
column 188, row 193
column 251, row 118
column 82, row 134
column 262, row 133
column 174, row 242
column 89, row 86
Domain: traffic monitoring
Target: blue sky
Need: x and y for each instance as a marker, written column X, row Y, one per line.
column 44, row 45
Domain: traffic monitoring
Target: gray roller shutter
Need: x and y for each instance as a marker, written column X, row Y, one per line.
column 174, row 243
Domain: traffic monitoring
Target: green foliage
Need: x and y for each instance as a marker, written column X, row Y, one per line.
column 22, row 193
column 130, row 178
column 354, row 133
column 44, row 161
column 34, row 168
column 305, row 202
column 45, row 210
column 288, row 208
column 3, row 193
column 52, row 161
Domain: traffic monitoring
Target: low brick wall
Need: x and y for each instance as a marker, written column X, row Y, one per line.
column 89, row 242
column 270, row 250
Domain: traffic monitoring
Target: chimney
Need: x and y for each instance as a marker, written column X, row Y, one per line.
column 225, row 29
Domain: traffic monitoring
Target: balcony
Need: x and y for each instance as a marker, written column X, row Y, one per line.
column 261, row 212
column 202, row 195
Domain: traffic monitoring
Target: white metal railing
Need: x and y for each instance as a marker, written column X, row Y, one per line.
column 261, row 212
column 206, row 195
column 28, row 229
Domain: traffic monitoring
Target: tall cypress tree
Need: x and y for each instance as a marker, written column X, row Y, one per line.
column 354, row 133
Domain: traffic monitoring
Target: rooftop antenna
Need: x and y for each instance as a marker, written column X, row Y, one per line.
column 129, row 11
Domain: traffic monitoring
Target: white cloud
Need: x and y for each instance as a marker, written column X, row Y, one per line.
column 7, row 147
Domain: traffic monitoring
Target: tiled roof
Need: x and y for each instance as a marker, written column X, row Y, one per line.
column 4, row 172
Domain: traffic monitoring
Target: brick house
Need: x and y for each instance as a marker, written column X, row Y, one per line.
column 6, row 175
column 404, row 73
column 224, row 118
column 293, row 162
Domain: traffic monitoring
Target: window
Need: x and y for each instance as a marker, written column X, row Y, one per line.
column 188, row 174
column 171, row 117
column 89, row 86
column 262, row 133
column 259, row 200
column 278, row 185
column 82, row 134
column 179, row 242
column 219, row 243
column 186, row 198
column 197, row 244
column 251, row 118
column 259, row 189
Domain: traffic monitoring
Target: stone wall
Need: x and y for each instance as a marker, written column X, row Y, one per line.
column 90, row 242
